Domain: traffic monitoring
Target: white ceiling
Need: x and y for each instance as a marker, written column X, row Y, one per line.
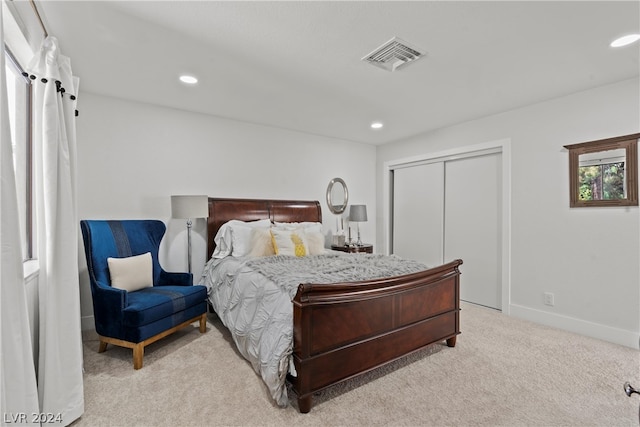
column 297, row 64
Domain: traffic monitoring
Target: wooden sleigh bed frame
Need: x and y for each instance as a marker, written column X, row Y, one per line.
column 343, row 330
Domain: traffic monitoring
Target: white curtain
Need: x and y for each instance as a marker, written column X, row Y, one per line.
column 60, row 384
column 18, row 392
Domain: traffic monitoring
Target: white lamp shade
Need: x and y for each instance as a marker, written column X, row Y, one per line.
column 358, row 213
column 189, row 206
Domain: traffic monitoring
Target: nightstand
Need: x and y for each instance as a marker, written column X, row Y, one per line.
column 364, row 248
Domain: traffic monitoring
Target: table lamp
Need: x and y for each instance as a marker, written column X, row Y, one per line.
column 358, row 214
column 189, row 207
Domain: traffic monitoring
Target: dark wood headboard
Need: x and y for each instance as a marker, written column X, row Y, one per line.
column 223, row 210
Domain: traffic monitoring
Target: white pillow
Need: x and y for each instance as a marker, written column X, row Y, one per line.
column 225, row 239
column 315, row 242
column 306, row 226
column 289, row 242
column 131, row 273
column 241, row 235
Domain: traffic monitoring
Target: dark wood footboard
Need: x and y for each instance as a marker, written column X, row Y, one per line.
column 345, row 329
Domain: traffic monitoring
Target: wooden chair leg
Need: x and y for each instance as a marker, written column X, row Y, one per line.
column 138, row 354
column 203, row 323
column 138, row 348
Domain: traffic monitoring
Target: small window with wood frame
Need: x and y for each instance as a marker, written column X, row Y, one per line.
column 604, row 172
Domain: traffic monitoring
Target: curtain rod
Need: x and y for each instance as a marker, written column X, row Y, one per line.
column 35, row 9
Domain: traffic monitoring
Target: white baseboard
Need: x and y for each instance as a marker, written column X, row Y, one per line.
column 582, row 327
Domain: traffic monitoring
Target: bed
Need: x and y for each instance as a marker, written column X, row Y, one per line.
column 336, row 331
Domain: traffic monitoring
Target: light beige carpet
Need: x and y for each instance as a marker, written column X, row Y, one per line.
column 502, row 372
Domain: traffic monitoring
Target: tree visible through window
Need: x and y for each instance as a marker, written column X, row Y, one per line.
column 602, row 182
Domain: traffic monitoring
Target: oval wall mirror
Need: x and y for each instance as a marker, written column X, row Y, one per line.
column 337, row 196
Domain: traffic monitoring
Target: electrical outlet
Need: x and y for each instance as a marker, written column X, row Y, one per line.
column 548, row 299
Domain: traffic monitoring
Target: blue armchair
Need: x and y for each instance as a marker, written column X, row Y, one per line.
column 139, row 318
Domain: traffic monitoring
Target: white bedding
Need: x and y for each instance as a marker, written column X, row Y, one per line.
column 258, row 311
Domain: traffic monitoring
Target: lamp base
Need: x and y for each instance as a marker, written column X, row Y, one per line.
column 189, row 224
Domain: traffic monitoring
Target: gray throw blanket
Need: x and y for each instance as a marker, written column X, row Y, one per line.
column 289, row 272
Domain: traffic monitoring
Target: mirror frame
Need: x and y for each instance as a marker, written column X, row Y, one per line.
column 341, row 208
column 627, row 142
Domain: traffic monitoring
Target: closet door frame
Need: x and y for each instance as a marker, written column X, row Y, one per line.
column 500, row 146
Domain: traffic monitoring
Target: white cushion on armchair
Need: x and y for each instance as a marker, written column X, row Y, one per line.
column 131, row 273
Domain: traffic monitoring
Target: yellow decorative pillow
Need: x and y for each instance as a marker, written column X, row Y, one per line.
column 289, row 242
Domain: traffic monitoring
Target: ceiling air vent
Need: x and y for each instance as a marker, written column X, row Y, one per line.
column 394, row 54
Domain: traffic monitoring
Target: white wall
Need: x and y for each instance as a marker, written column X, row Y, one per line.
column 132, row 157
column 589, row 257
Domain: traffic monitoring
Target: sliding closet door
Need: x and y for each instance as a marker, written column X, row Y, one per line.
column 418, row 213
column 473, row 226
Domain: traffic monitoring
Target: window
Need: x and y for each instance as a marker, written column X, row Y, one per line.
column 19, row 97
column 601, row 176
column 604, row 172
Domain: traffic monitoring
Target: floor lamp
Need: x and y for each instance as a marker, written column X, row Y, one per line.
column 189, row 207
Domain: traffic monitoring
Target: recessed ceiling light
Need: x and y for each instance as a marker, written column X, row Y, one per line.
column 376, row 125
column 625, row 40
column 185, row 78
